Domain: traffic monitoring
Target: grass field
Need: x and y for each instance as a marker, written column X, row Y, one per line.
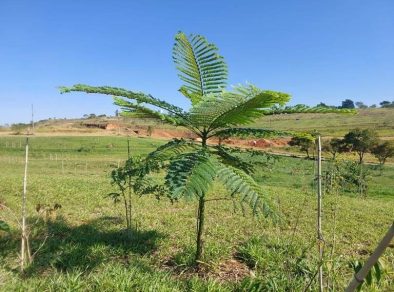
column 86, row 249
column 379, row 119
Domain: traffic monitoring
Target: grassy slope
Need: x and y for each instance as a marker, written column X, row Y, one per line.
column 382, row 120
column 86, row 250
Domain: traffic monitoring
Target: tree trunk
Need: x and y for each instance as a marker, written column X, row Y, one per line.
column 200, row 216
column 360, row 155
column 200, row 227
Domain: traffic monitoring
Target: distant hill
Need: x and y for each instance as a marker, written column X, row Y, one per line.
column 335, row 125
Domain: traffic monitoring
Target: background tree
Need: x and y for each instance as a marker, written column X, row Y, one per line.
column 373, row 106
column 347, row 103
column 360, row 141
column 361, row 105
column 305, row 142
column 386, row 104
column 191, row 167
column 382, row 151
column 334, row 146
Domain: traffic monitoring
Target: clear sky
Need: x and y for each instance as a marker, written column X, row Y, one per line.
column 315, row 50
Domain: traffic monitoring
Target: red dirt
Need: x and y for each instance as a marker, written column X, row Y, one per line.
column 177, row 133
column 258, row 143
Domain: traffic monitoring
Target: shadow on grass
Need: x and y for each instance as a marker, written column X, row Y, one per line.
column 83, row 247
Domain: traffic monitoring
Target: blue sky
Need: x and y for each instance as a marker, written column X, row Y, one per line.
column 314, row 50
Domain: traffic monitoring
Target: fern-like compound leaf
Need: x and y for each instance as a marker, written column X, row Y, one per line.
column 161, row 157
column 245, row 188
column 137, row 110
column 131, row 95
column 190, row 175
column 200, row 66
column 242, row 106
column 226, row 156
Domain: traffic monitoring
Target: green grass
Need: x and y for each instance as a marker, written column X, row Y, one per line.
column 86, row 249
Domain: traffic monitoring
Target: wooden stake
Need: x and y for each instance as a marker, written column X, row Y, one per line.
column 360, row 276
column 319, row 211
column 24, row 240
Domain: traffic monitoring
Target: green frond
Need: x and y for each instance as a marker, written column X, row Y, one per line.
column 130, row 109
column 163, row 154
column 138, row 97
column 249, row 157
column 200, row 66
column 150, row 186
column 242, row 106
column 190, row 175
column 245, row 188
column 225, row 155
column 194, row 97
column 252, row 133
column 306, row 109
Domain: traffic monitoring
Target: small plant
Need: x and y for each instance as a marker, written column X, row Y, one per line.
column 48, row 213
column 215, row 112
column 346, row 175
column 4, row 226
column 83, row 149
column 131, row 181
column 149, row 131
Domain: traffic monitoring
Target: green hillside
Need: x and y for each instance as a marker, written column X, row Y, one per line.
column 380, row 119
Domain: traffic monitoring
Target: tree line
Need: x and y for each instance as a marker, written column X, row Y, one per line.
column 350, row 104
column 358, row 141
